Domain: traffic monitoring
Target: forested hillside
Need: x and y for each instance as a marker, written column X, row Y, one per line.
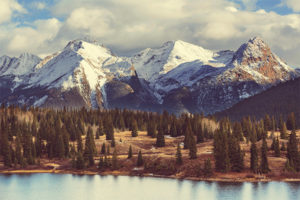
column 278, row 101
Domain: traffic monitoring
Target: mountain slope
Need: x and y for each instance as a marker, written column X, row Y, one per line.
column 178, row 76
column 278, row 100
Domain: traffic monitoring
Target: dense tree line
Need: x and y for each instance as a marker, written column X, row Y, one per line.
column 29, row 134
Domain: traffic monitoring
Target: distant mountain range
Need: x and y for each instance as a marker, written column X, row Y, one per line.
column 177, row 77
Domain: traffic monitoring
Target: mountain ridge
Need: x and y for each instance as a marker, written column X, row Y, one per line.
column 179, row 76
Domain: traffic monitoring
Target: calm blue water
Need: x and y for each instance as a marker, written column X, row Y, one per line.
column 96, row 187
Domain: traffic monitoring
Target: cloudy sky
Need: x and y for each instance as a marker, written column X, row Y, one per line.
column 45, row 26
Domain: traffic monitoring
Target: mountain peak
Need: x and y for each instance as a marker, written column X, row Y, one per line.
column 255, row 48
column 257, row 41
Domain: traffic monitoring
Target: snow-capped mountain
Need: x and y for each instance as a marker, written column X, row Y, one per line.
column 177, row 76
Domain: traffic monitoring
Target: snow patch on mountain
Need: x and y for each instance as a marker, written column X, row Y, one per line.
column 151, row 63
column 22, row 65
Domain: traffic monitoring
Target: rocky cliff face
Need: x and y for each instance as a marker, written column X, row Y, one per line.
column 178, row 77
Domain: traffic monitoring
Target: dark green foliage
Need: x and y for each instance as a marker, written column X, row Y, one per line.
column 178, row 155
column 79, row 144
column 189, row 136
column 160, row 138
column 80, row 164
column 267, row 123
column 90, row 147
column 277, row 148
column 291, row 122
column 60, row 147
column 134, row 129
column 292, row 151
column 101, row 164
column 283, row 131
column 130, row 152
column 103, row 149
column 277, row 101
column 238, row 131
column 115, row 164
column 108, row 150
column 199, row 133
column 109, row 128
column 253, row 157
column 236, row 155
column 151, row 129
column 221, row 149
column 283, row 148
column 207, row 169
column 18, row 150
column 107, row 161
column 173, row 129
column 264, row 165
column 113, row 142
column 140, row 161
column 192, row 148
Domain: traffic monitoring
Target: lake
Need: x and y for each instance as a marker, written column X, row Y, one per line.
column 84, row 187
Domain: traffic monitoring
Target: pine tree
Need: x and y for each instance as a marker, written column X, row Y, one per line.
column 264, row 166
column 101, row 165
column 113, row 142
column 236, row 156
column 253, row 157
column 107, row 150
column 283, row 148
column 140, row 160
column 109, row 128
column 106, row 161
column 273, row 144
column 134, row 128
column 130, row 152
column 283, row 131
column 80, row 161
column 292, row 151
column 160, row 139
column 291, row 123
column 199, row 133
column 178, row 155
column 103, row 149
column 151, row 129
column 79, row 144
column 238, row 131
column 90, row 147
column 207, row 170
column 60, row 147
column 18, row 150
column 221, row 149
column 277, row 148
column 173, row 130
column 115, row 160
column 188, row 135
column 192, row 148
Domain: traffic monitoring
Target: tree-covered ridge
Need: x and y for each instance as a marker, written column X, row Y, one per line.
column 278, row 101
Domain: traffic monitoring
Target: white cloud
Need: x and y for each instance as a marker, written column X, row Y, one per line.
column 33, row 39
column 8, row 8
column 39, row 5
column 293, row 4
column 135, row 24
column 249, row 4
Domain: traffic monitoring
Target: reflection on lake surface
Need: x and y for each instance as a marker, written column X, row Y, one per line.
column 75, row 187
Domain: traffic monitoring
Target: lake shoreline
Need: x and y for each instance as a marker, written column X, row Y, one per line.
column 122, row 173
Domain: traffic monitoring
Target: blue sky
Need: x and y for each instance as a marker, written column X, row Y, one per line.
column 45, row 26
